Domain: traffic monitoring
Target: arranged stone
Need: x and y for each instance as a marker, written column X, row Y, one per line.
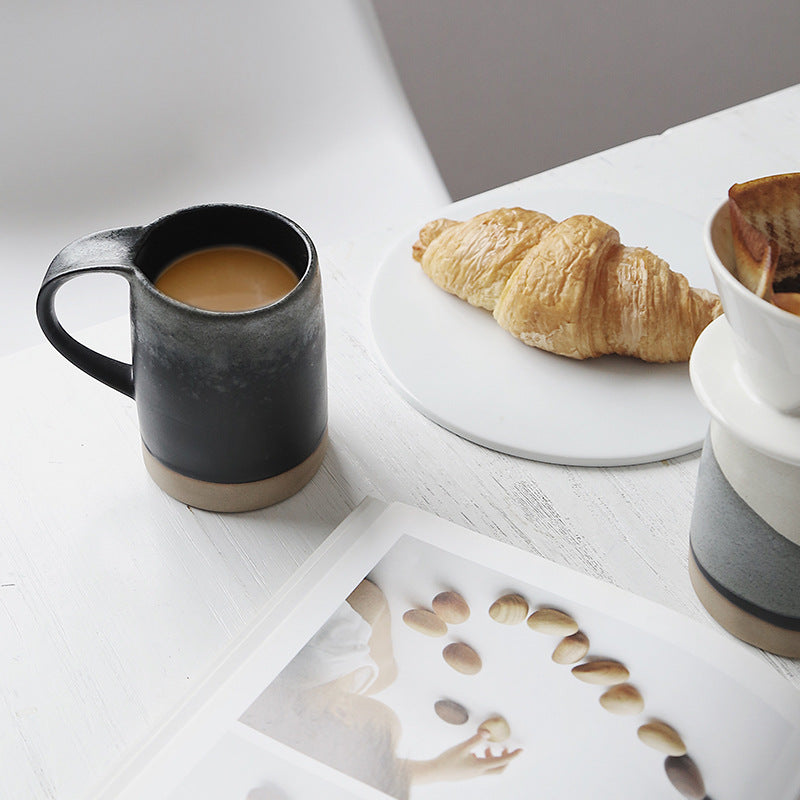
column 451, row 712
column 622, row 699
column 684, row 775
column 662, row 737
column 423, row 621
column 462, row 658
column 571, row 649
column 451, row 607
column 603, row 672
column 510, row 609
column 552, row 621
column 497, row 728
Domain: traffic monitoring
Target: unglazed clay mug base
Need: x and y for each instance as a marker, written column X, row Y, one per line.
column 234, row 496
column 767, row 338
column 232, row 405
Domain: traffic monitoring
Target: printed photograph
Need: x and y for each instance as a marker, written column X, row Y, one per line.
column 439, row 677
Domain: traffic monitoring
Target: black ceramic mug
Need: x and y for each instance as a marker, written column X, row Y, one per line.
column 232, row 405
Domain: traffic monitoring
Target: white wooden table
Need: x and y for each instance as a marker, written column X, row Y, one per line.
column 114, row 599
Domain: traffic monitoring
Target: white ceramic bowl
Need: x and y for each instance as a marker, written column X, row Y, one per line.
column 766, row 337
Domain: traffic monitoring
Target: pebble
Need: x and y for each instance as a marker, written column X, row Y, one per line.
column 571, row 649
column 451, row 712
column 622, row 699
column 603, row 672
column 462, row 658
column 552, row 621
column 497, row 728
column 451, row 607
column 510, row 609
column 684, row 775
column 662, row 737
column 422, row 621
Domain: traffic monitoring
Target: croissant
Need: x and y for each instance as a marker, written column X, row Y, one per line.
column 568, row 287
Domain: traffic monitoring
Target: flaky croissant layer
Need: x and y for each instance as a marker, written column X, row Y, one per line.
column 568, row 287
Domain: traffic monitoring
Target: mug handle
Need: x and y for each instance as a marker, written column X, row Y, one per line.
column 106, row 251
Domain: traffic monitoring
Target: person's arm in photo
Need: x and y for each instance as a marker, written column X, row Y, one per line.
column 368, row 600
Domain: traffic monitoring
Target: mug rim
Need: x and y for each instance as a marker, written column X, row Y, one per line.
column 307, row 276
column 731, row 281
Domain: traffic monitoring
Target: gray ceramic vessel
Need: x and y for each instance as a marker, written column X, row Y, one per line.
column 232, row 406
column 744, row 570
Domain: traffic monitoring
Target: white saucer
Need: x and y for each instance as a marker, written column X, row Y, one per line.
column 714, row 374
column 456, row 365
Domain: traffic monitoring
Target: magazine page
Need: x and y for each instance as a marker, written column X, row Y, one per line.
column 412, row 658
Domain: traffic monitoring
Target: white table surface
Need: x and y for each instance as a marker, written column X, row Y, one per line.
column 115, row 599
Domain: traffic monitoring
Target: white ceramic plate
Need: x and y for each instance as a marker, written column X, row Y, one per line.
column 714, row 373
column 457, row 366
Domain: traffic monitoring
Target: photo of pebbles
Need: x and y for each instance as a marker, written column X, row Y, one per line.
column 572, row 645
column 601, row 695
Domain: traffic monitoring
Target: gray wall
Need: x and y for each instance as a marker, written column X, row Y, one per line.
column 507, row 88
